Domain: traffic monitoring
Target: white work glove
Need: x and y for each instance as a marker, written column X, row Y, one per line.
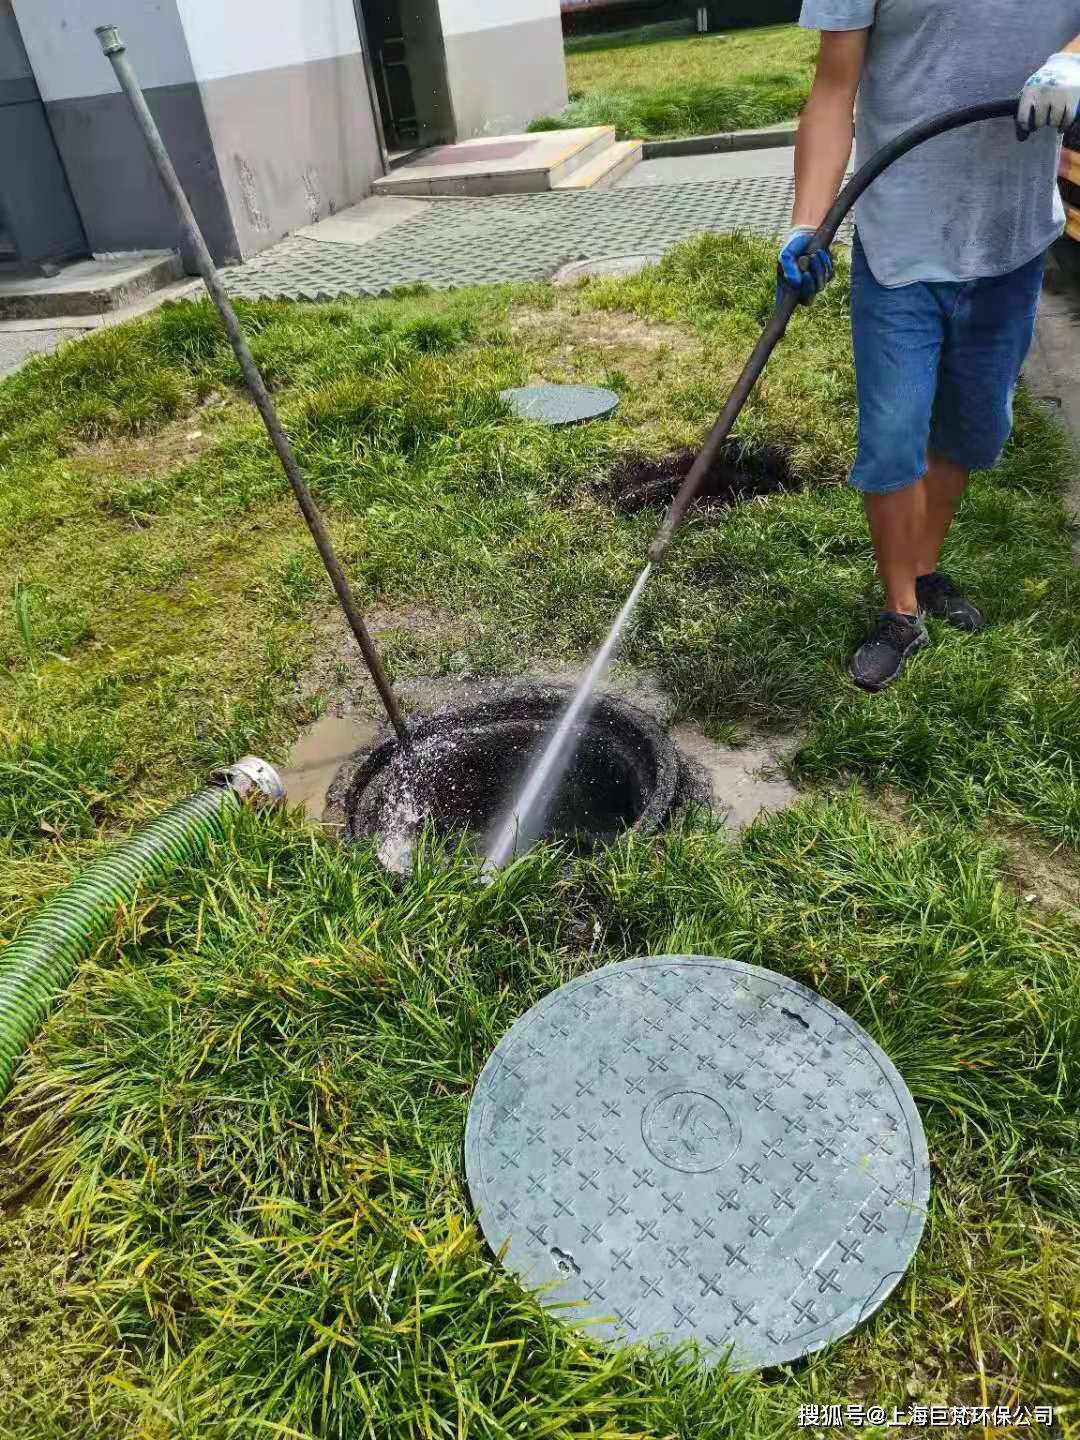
column 1051, row 97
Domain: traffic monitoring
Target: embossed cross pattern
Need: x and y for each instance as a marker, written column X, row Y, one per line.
column 698, row 1149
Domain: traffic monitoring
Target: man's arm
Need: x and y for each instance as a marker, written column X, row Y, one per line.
column 823, row 147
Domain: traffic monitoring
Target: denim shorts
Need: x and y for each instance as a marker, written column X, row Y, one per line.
column 936, row 368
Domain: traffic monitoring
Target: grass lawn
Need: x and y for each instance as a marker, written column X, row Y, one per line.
column 231, row 1169
column 659, row 82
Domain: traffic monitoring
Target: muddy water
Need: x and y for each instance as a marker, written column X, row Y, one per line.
column 317, row 755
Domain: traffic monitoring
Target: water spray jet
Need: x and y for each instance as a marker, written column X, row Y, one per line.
column 521, row 820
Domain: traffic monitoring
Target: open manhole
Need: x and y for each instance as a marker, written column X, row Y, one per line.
column 462, row 767
column 741, row 471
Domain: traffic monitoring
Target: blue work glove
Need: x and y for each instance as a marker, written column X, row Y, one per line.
column 808, row 282
column 1051, row 97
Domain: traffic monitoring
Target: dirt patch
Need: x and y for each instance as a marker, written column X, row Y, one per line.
column 1044, row 878
column 134, row 457
column 337, row 675
column 1039, row 876
column 603, row 327
column 578, row 345
column 739, row 473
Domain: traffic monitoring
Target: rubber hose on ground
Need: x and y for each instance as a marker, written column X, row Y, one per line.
column 40, row 962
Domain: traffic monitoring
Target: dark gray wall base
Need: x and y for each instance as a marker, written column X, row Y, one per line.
column 293, row 144
column 492, row 91
column 39, row 215
column 38, row 207
column 116, row 187
column 718, row 144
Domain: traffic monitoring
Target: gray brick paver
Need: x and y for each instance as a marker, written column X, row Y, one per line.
column 520, row 237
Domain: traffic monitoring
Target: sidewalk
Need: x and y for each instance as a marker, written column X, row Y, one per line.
column 733, row 165
column 447, row 243
column 20, row 340
column 18, row 346
column 1052, row 371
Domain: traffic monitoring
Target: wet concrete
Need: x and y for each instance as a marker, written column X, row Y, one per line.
column 739, row 783
column 611, row 267
column 736, row 782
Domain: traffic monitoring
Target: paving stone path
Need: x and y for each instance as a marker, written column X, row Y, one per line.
column 512, row 238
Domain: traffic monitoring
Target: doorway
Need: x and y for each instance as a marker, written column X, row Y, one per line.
column 408, row 68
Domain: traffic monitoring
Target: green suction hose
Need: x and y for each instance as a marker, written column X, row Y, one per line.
column 40, row 961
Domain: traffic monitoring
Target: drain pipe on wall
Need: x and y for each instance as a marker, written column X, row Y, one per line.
column 40, row 962
column 116, row 51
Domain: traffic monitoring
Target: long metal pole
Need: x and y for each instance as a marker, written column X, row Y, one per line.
column 115, row 49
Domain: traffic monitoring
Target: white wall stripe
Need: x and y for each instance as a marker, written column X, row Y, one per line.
column 242, row 37
column 66, row 56
column 462, row 17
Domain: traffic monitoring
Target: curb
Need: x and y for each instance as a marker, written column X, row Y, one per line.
column 717, row 144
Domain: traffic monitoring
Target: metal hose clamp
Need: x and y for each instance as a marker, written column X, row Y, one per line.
column 255, row 781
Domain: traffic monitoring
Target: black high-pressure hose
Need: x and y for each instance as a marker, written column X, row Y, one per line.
column 789, row 298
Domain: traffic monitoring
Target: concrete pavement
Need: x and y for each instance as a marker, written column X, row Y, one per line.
column 18, row 346
column 731, row 165
column 1052, row 371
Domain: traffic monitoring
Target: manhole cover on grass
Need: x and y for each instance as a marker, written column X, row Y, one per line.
column 699, row 1149
column 741, row 472
column 560, row 404
column 607, row 267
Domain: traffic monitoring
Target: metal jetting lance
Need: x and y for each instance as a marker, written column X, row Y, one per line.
column 116, row 51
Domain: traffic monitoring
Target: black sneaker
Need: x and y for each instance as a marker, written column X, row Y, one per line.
column 881, row 658
column 939, row 598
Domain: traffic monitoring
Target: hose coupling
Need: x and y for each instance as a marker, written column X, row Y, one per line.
column 255, row 781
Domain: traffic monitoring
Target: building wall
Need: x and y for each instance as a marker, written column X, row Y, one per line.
column 263, row 105
column 37, row 212
column 116, row 188
column 504, row 63
column 286, row 101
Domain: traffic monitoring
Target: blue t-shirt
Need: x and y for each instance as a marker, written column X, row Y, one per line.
column 975, row 202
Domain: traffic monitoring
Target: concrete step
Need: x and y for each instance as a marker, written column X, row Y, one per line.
column 87, row 287
column 580, row 154
column 499, row 164
column 605, row 168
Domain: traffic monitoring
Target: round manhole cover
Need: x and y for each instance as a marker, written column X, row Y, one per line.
column 700, row 1149
column 560, row 404
column 605, row 268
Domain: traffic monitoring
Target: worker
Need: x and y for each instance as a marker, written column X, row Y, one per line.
column 947, row 263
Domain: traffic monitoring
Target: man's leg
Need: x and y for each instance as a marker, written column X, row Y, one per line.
column 898, row 335
column 898, row 529
column 908, row 528
column 988, row 336
column 944, row 484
